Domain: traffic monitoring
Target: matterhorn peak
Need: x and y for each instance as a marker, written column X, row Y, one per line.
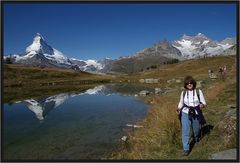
column 39, row 46
column 39, row 53
column 38, row 38
column 38, row 35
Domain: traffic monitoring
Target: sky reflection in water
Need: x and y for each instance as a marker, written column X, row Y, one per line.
column 85, row 125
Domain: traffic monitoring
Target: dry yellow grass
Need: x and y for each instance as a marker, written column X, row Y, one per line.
column 198, row 68
column 160, row 139
column 22, row 82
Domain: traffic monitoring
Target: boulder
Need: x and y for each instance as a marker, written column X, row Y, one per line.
column 228, row 125
column 169, row 90
column 151, row 80
column 142, row 80
column 155, row 80
column 124, row 138
column 231, row 106
column 213, row 76
column 171, row 81
column 144, row 93
column 158, row 91
column 199, row 84
column 230, row 154
column 134, row 126
column 178, row 81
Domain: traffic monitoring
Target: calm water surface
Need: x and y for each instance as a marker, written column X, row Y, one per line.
column 84, row 125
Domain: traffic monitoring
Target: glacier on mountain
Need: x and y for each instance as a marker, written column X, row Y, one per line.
column 201, row 46
column 40, row 54
column 88, row 63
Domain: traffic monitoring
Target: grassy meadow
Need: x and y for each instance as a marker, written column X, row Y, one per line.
column 160, row 138
column 21, row 82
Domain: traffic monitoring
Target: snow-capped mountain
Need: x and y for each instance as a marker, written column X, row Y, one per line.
column 88, row 65
column 230, row 51
column 40, row 54
column 162, row 49
column 93, row 66
column 162, row 52
column 201, row 46
column 159, row 53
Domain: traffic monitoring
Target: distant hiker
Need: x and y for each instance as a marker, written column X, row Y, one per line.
column 210, row 72
column 221, row 71
column 190, row 113
column 225, row 71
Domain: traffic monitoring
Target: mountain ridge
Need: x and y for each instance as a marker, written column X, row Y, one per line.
column 39, row 53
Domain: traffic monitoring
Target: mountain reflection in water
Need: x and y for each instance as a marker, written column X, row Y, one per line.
column 41, row 107
column 73, row 126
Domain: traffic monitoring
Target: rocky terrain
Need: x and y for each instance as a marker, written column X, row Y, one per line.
column 40, row 54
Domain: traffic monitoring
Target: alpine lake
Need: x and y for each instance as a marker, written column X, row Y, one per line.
column 86, row 125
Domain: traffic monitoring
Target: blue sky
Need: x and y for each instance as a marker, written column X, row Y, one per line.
column 95, row 31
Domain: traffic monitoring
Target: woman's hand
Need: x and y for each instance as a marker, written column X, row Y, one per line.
column 178, row 111
column 201, row 105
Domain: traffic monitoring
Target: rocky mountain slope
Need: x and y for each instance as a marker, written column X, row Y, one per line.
column 40, row 54
column 201, row 46
column 147, row 58
column 187, row 47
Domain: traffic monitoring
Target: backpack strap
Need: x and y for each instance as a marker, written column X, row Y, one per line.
column 198, row 95
column 184, row 93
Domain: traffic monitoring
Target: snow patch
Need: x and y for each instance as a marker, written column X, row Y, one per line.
column 34, row 106
column 225, row 46
column 94, row 63
column 95, row 90
column 58, row 57
column 205, row 42
column 186, row 47
column 58, row 99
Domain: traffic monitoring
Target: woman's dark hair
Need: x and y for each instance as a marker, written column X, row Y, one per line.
column 189, row 79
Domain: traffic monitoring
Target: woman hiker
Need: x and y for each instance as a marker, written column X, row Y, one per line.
column 190, row 113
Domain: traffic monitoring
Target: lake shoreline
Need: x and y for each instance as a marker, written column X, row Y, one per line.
column 74, row 123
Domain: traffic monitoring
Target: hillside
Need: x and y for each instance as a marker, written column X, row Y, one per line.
column 158, row 54
column 198, row 68
column 133, row 65
column 21, row 81
column 160, row 138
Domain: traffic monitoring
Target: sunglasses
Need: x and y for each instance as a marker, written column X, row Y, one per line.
column 189, row 83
